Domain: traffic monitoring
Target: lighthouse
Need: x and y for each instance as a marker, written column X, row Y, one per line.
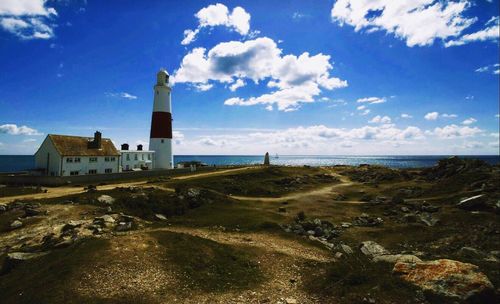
column 160, row 139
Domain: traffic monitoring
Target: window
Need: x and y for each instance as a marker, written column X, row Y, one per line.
column 69, row 159
column 135, row 156
column 162, row 141
column 106, row 159
column 108, row 170
column 142, row 156
column 149, row 156
column 77, row 159
column 92, row 171
column 73, row 173
column 93, row 159
column 112, row 159
column 128, row 156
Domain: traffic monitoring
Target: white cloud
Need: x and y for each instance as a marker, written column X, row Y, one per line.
column 218, row 15
column 381, row 119
column 359, row 108
column 178, row 137
column 269, row 108
column 490, row 32
column 295, row 79
column 13, row 129
column 497, row 115
column 453, row 131
column 122, row 95
column 27, row 19
column 431, row 116
column 404, row 115
column 418, row 23
column 445, row 115
column 372, row 100
column 469, row 121
column 238, row 84
column 494, row 68
column 469, row 97
column 365, row 112
column 202, row 87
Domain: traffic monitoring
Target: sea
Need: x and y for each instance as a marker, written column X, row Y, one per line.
column 14, row 163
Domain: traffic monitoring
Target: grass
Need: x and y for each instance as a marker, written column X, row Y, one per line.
column 209, row 266
column 354, row 278
column 18, row 190
column 261, row 181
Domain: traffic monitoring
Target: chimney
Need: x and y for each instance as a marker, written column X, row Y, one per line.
column 124, row 147
column 139, row 147
column 98, row 140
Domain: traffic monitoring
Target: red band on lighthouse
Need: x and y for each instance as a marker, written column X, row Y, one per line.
column 161, row 125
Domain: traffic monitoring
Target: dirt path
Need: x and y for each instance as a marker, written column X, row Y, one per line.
column 263, row 241
column 294, row 196
column 69, row 190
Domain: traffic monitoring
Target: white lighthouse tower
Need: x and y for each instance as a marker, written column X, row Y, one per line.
column 160, row 139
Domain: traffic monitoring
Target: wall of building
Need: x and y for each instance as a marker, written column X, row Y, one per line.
column 47, row 150
column 128, row 159
column 94, row 179
column 84, row 166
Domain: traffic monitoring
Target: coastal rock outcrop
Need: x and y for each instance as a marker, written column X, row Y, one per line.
column 446, row 278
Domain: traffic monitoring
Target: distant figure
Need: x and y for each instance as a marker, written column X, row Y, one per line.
column 266, row 159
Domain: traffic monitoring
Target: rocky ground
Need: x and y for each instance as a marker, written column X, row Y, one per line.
column 363, row 234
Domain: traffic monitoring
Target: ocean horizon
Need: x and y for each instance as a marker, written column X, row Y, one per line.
column 14, row 163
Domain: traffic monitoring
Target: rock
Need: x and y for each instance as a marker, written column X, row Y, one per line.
column 106, row 199
column 366, row 220
column 3, row 208
column 193, row 193
column 338, row 255
column 345, row 225
column 410, row 218
column 477, row 202
column 426, row 207
column 347, row 249
column 160, row 217
column 126, row 218
column 405, row 209
column 287, row 300
column 394, row 258
column 123, row 226
column 31, row 212
column 427, row 219
column 15, row 258
column 16, row 224
column 318, row 231
column 470, row 252
column 446, row 278
column 372, row 249
column 108, row 219
column 71, row 225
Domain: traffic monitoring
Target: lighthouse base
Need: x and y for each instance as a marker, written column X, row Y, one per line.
column 163, row 157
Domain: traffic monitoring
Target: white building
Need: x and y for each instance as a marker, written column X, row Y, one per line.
column 63, row 155
column 136, row 160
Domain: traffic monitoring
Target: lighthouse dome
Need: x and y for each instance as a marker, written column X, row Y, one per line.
column 162, row 77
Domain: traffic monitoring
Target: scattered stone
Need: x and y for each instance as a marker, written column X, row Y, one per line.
column 3, row 208
column 347, row 249
column 338, row 255
column 287, row 300
column 394, row 258
column 106, row 199
column 473, row 203
column 16, row 224
column 345, row 225
column 366, row 220
column 372, row 249
column 123, row 226
column 160, row 217
column 428, row 219
column 405, row 209
column 447, row 278
column 15, row 258
column 31, row 212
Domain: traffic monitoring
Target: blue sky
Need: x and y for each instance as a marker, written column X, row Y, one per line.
column 288, row 77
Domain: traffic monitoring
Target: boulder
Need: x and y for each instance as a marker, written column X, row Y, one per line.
column 106, row 199
column 3, row 208
column 15, row 258
column 123, row 226
column 160, row 217
column 428, row 219
column 346, row 248
column 372, row 249
column 446, row 278
column 394, row 258
column 16, row 224
column 473, row 203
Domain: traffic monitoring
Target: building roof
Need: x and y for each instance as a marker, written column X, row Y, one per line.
column 68, row 145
